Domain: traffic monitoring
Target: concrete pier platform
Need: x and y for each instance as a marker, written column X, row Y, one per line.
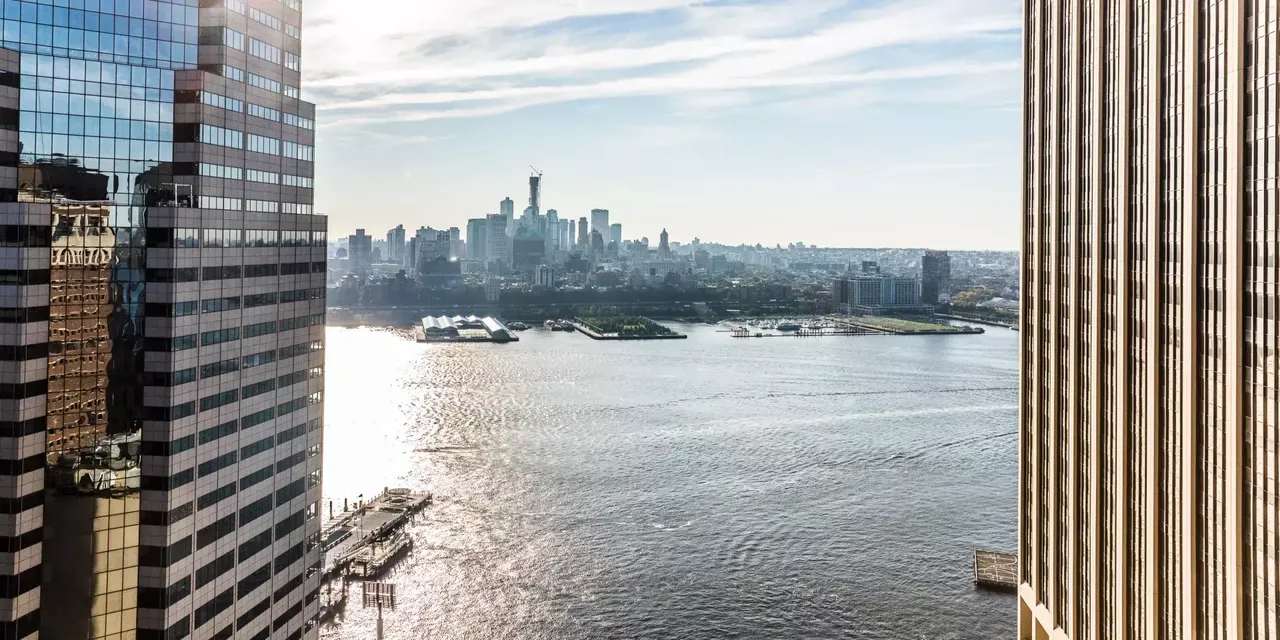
column 996, row 571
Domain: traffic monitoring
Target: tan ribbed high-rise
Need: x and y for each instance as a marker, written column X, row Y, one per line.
column 1150, row 463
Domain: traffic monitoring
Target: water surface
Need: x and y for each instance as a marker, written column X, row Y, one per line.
column 704, row 488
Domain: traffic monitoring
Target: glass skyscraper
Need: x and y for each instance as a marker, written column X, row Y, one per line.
column 162, row 303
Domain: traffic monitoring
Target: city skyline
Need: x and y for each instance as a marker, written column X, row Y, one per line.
column 900, row 117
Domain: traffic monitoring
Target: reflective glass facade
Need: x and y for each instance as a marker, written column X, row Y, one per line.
column 161, row 321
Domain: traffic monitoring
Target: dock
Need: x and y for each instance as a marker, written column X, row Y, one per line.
column 363, row 536
column 995, row 571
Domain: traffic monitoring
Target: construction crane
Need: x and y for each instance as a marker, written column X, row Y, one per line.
column 535, row 171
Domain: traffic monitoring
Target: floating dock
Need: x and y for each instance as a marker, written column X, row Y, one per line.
column 996, row 571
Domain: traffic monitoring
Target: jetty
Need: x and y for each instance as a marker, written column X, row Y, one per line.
column 363, row 537
column 463, row 329
column 995, row 571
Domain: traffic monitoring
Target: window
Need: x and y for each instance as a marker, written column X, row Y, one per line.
column 232, row 38
column 265, row 113
column 222, row 238
column 258, row 359
column 298, row 151
column 219, row 171
column 233, row 73
column 256, row 477
column 259, row 299
column 220, row 431
column 265, row 18
column 221, row 137
column 217, row 464
column 259, row 329
column 263, row 144
column 262, row 206
column 261, row 238
column 292, row 31
column 221, row 273
column 264, row 83
column 292, row 61
column 255, row 419
column 221, row 101
column 295, row 208
column 299, row 121
column 214, row 497
column 260, row 446
column 296, row 5
column 296, row 181
column 172, row 275
column 259, row 270
column 215, row 305
column 255, row 510
column 266, row 177
column 216, row 202
column 258, row 388
column 180, row 343
column 292, row 92
column 262, row 50
column 253, row 545
column 219, row 336
column 236, row 6
column 216, row 400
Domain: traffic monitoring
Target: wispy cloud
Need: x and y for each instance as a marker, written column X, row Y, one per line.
column 419, row 60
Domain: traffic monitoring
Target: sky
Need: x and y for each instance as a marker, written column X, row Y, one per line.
column 837, row 123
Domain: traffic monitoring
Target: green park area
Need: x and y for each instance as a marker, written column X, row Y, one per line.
column 905, row 326
column 624, row 326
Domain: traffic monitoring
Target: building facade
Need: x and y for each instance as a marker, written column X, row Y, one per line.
column 360, row 252
column 1149, row 445
column 477, row 232
column 162, row 322
column 395, row 245
column 600, row 221
column 878, row 295
column 935, row 277
column 497, row 242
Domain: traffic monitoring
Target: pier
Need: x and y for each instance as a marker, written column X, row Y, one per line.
column 995, row 571
column 363, row 537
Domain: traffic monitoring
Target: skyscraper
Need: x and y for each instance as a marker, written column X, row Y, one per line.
column 508, row 208
column 664, row 247
column 477, row 230
column 1149, row 446
column 395, row 244
column 573, row 232
column 935, row 277
column 535, row 193
column 498, row 243
column 360, row 249
column 600, row 221
column 584, row 232
column 615, row 233
column 162, row 422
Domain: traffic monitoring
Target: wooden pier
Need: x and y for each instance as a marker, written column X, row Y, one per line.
column 996, row 571
column 363, row 534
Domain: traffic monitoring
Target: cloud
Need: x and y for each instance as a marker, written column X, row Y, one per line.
column 419, row 60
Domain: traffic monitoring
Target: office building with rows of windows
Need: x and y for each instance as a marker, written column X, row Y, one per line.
column 162, row 304
column 1150, row 461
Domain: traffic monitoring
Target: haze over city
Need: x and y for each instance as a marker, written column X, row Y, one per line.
column 889, row 123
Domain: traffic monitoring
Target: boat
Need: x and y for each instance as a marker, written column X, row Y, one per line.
column 788, row 326
column 517, row 326
column 553, row 325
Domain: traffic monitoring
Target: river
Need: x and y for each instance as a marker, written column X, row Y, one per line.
column 705, row 488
